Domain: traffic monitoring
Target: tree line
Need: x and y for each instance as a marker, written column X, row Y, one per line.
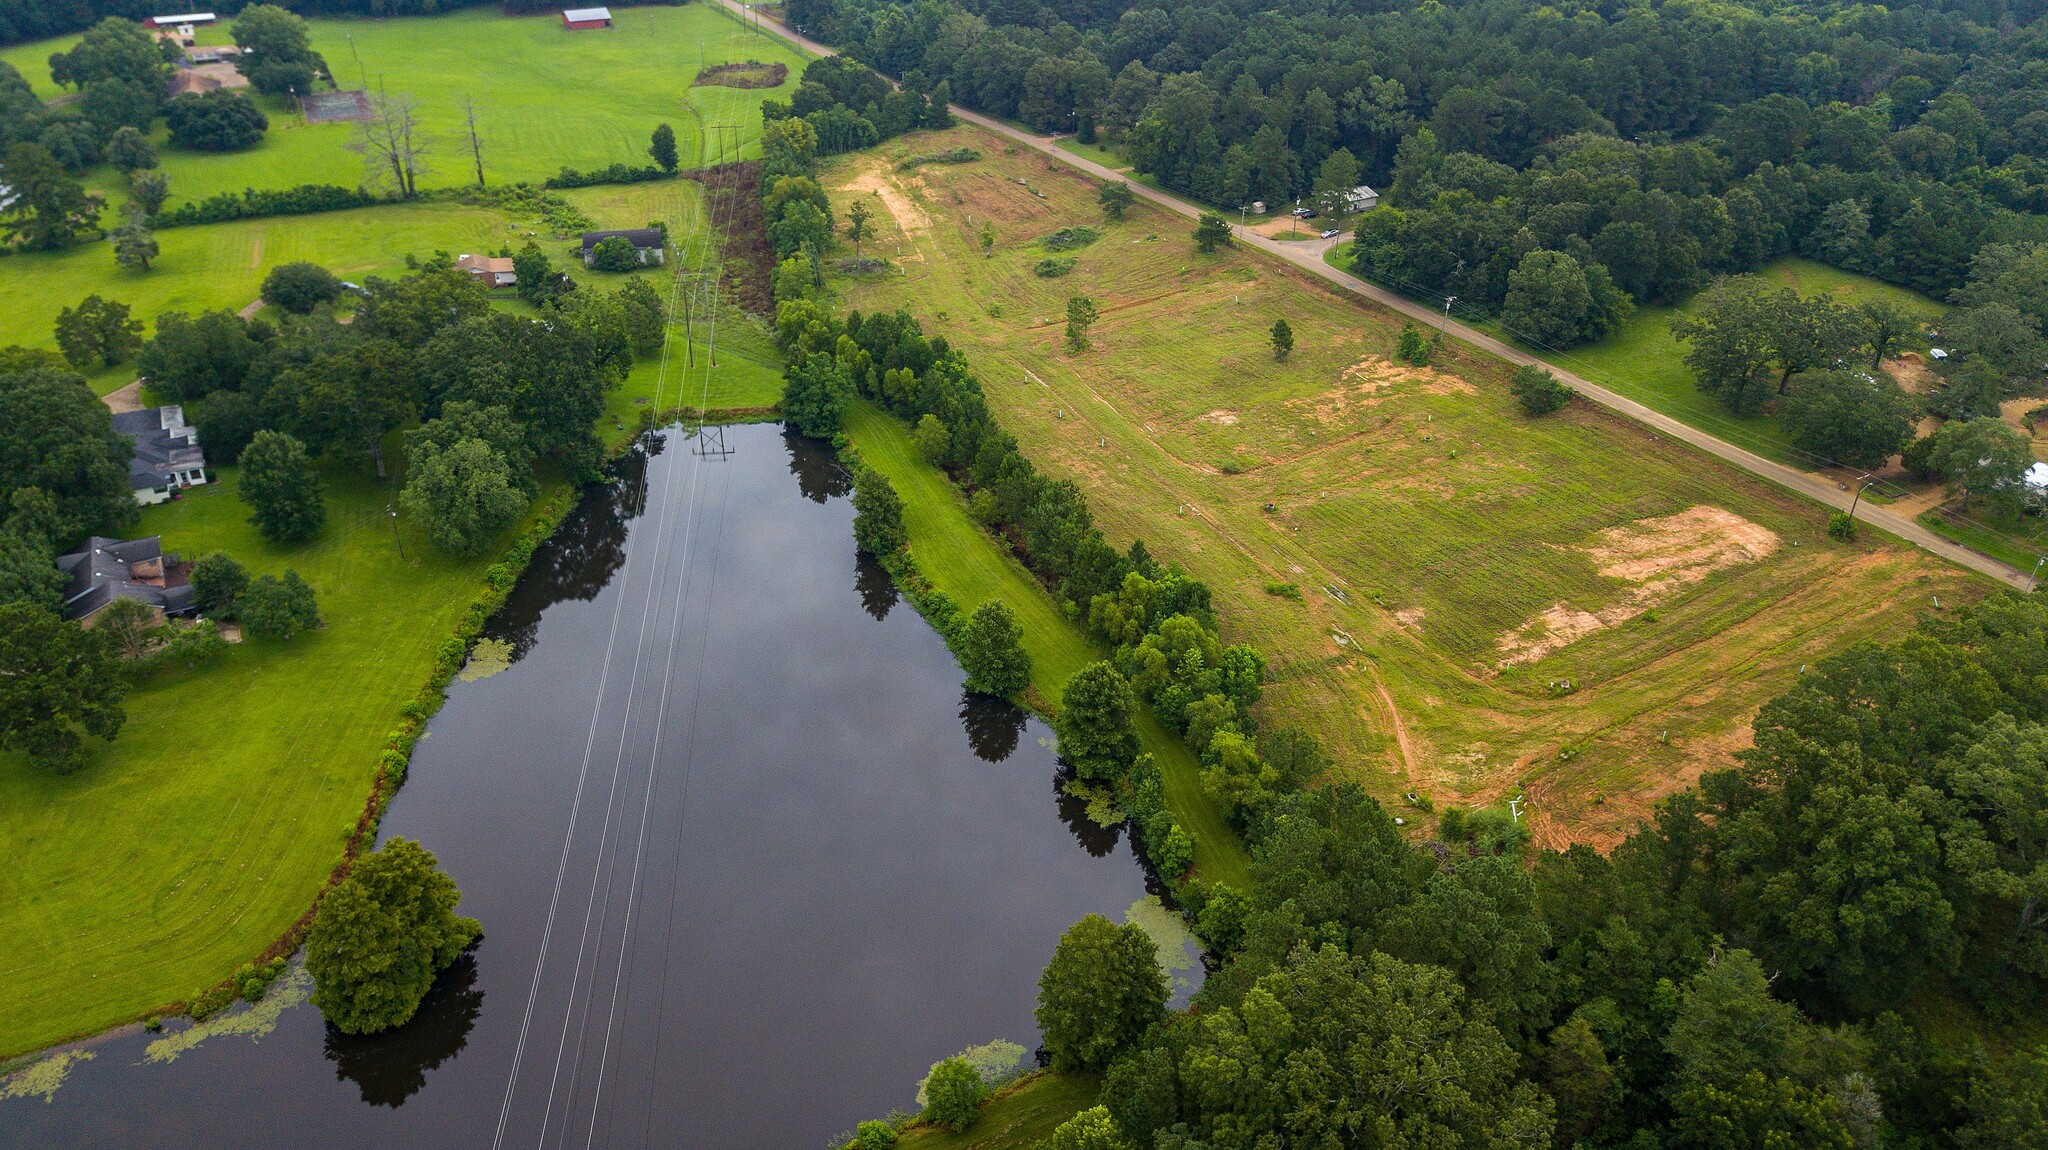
column 1641, row 151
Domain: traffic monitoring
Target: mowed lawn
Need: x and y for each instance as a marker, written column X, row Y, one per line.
column 207, row 827
column 1444, row 544
column 546, row 97
column 967, row 564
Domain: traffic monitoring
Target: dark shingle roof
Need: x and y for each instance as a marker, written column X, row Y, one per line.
column 106, row 569
column 641, row 237
column 164, row 445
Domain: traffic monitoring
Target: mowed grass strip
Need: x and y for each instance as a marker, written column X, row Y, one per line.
column 546, row 97
column 1421, row 514
column 202, row 832
column 1023, row 1116
column 967, row 564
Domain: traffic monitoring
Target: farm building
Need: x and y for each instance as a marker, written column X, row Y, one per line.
column 490, row 271
column 188, row 20
column 167, row 452
column 579, row 19
column 646, row 241
column 108, row 569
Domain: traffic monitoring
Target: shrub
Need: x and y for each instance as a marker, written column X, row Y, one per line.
column 1841, row 528
column 615, row 254
column 212, row 1000
column 874, row 1135
column 1537, row 389
column 1172, row 853
column 274, row 608
column 300, row 287
column 1053, row 267
column 960, row 155
column 1067, row 239
column 1284, row 590
column 953, row 1094
column 1413, row 348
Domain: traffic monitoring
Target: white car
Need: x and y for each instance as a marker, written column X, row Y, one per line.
column 1331, row 233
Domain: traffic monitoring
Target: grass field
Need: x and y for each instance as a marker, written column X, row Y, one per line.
column 1020, row 1118
column 963, row 561
column 204, row 831
column 1459, row 563
column 1644, row 362
column 546, row 98
column 223, row 265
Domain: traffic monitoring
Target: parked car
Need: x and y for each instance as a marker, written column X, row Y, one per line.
column 1304, row 213
column 1331, row 233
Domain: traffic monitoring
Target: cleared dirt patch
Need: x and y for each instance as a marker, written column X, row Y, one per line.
column 751, row 74
column 1219, row 417
column 908, row 216
column 124, row 399
column 1660, row 557
column 1371, row 380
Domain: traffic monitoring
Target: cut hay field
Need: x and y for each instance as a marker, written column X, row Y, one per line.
column 1459, row 562
column 546, row 98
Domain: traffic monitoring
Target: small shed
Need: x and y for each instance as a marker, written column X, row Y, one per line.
column 580, row 19
column 1361, row 198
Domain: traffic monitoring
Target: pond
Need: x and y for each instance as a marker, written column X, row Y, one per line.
column 777, row 861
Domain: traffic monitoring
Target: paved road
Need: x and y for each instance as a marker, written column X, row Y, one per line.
column 1310, row 259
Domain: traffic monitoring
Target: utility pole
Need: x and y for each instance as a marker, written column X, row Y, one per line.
column 360, row 70
column 2034, row 580
column 1445, row 328
column 1860, row 485
column 396, row 537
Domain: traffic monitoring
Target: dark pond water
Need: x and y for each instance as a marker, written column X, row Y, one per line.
column 800, row 865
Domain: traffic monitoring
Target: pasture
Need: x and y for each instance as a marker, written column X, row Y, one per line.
column 545, row 97
column 1569, row 608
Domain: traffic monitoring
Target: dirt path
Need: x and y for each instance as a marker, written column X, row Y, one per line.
column 249, row 311
column 124, row 399
column 1400, row 729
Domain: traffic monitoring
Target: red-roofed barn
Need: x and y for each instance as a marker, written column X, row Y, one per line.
column 578, row 19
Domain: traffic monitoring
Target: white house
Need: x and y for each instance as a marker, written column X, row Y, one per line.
column 1360, row 199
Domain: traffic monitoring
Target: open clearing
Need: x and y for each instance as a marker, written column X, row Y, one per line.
column 546, row 98
column 1425, row 519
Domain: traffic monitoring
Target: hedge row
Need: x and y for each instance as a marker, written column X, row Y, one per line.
column 614, row 174
column 304, row 200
